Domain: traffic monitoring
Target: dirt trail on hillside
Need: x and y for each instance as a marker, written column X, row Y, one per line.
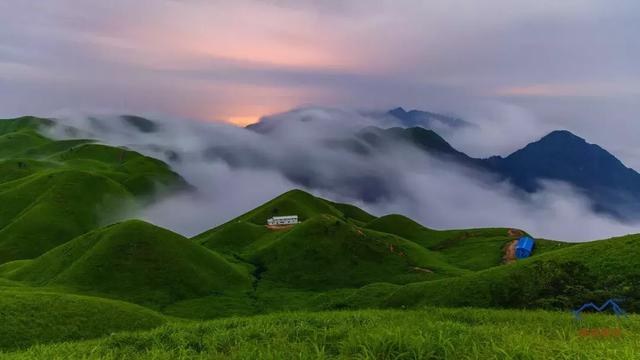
column 278, row 227
column 510, row 252
column 515, row 233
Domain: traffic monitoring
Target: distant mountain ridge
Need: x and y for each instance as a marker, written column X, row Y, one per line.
column 563, row 156
column 560, row 156
column 612, row 187
column 402, row 118
column 426, row 119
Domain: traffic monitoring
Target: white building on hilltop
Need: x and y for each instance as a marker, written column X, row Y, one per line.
column 283, row 220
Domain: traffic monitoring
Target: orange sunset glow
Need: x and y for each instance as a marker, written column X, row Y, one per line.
column 236, row 61
column 243, row 120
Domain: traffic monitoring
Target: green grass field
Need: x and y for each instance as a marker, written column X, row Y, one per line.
column 429, row 333
column 77, row 280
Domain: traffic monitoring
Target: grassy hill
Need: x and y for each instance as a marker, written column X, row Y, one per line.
column 339, row 246
column 52, row 191
column 365, row 262
column 332, row 247
column 37, row 317
column 135, row 261
column 564, row 278
column 472, row 249
column 305, row 205
column 48, row 208
column 325, row 252
column 247, row 233
column 338, row 255
column 64, row 275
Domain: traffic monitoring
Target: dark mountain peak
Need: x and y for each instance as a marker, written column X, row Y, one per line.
column 563, row 146
column 426, row 119
column 426, row 140
column 563, row 136
column 398, row 112
column 421, row 135
column 564, row 156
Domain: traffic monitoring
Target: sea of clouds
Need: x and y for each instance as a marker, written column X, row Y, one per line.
column 234, row 169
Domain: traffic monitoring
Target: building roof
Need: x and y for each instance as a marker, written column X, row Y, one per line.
column 284, row 217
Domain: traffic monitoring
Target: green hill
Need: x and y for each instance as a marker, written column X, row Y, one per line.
column 246, row 233
column 331, row 250
column 371, row 259
column 341, row 246
column 473, row 249
column 37, row 317
column 325, row 252
column 22, row 123
column 52, row 191
column 46, row 209
column 238, row 237
column 64, row 275
column 305, row 205
column 563, row 278
column 135, row 261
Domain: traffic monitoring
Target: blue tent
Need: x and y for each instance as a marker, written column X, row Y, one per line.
column 524, row 247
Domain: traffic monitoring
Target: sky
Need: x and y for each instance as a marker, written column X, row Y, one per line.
column 515, row 69
column 238, row 60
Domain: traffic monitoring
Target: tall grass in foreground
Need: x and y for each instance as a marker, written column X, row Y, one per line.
column 431, row 333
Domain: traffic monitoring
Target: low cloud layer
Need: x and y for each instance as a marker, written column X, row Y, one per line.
column 235, row 169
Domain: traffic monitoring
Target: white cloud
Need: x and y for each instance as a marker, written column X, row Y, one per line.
column 438, row 194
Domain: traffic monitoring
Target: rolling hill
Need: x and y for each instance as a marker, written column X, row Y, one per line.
column 340, row 246
column 65, row 276
column 31, row 317
column 326, row 253
column 329, row 251
column 248, row 229
column 53, row 191
column 563, row 278
column 134, row 261
column 338, row 257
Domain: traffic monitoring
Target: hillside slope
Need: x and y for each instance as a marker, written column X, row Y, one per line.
column 339, row 246
column 135, row 261
column 53, row 191
column 37, row 317
column 325, row 252
column 249, row 227
column 564, row 278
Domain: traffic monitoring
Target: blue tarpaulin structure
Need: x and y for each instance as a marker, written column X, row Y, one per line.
column 524, row 247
